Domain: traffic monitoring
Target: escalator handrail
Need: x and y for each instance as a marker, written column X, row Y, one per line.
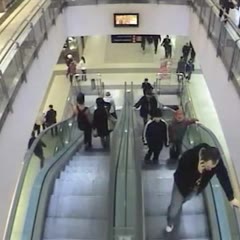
column 22, row 176
column 218, row 145
column 115, row 169
column 20, row 181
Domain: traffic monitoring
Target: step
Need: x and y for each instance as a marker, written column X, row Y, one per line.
column 90, row 207
column 71, row 228
column 93, row 170
column 83, row 176
column 190, row 227
column 158, row 186
column 97, row 157
column 157, row 205
column 75, row 188
column 89, row 162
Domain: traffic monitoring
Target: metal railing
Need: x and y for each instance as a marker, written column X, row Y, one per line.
column 96, row 2
column 225, row 37
column 227, row 217
column 18, row 54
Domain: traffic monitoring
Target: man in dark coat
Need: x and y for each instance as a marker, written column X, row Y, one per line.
column 185, row 51
column 195, row 169
column 147, row 104
column 38, row 150
column 51, row 119
column 156, row 135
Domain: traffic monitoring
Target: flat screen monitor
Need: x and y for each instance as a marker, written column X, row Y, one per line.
column 126, row 19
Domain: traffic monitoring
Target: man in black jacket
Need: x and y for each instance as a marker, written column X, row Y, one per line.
column 51, row 119
column 195, row 169
column 156, row 134
column 38, row 150
column 147, row 104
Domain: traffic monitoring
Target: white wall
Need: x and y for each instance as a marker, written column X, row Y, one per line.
column 17, row 128
column 98, row 19
column 223, row 93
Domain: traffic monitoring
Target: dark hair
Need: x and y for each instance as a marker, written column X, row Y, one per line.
column 50, row 106
column 80, row 98
column 146, row 79
column 83, row 58
column 210, row 153
column 100, row 102
column 33, row 134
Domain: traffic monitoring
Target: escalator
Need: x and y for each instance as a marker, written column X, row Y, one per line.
column 78, row 207
column 157, row 189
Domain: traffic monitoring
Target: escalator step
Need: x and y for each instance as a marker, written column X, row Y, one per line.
column 190, row 227
column 157, row 205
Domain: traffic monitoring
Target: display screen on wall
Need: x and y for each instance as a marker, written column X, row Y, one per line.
column 126, row 19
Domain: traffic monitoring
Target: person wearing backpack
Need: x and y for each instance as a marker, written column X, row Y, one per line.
column 84, row 120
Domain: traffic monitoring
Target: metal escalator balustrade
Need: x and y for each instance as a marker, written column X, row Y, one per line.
column 78, row 207
column 35, row 185
column 18, row 54
column 66, row 136
column 225, row 37
column 227, row 217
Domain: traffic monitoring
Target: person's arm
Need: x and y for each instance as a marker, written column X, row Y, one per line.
column 145, row 132
column 166, row 137
column 170, row 132
column 43, row 144
column 139, row 103
column 163, row 42
column 94, row 120
column 224, row 180
column 191, row 121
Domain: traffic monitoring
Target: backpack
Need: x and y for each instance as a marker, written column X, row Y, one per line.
column 82, row 119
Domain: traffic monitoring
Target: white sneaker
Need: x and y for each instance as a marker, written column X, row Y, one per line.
column 169, row 228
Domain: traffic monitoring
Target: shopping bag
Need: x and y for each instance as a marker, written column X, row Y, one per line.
column 111, row 123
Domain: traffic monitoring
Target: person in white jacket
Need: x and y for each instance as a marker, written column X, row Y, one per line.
column 82, row 67
column 109, row 99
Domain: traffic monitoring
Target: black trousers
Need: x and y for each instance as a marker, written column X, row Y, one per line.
column 88, row 137
column 37, row 128
column 155, row 151
column 175, row 150
column 41, row 158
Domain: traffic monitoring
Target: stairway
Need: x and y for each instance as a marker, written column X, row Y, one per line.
column 78, row 207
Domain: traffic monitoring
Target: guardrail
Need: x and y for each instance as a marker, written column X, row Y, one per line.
column 96, row 2
column 21, row 49
column 225, row 37
column 227, row 217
